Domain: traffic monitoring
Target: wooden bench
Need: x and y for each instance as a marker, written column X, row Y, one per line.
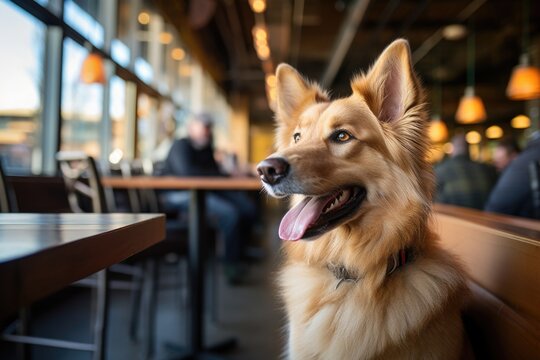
column 502, row 256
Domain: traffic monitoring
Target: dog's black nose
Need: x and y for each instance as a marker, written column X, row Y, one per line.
column 272, row 170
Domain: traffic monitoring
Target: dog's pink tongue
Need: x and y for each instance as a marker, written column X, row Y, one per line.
column 297, row 220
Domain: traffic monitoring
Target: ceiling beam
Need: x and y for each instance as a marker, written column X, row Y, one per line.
column 344, row 40
column 437, row 36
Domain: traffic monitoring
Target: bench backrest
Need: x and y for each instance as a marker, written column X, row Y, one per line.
column 502, row 256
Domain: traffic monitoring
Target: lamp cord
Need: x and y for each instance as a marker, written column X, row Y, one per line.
column 470, row 55
column 525, row 20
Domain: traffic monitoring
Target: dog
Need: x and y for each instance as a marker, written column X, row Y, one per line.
column 363, row 275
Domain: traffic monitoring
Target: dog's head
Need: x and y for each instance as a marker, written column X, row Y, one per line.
column 350, row 160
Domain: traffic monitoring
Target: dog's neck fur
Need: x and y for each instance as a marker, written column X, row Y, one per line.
column 356, row 255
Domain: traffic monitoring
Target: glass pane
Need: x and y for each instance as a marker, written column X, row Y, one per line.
column 147, row 115
column 120, row 52
column 82, row 104
column 83, row 16
column 53, row 5
column 120, row 47
column 144, row 70
column 120, row 101
column 21, row 70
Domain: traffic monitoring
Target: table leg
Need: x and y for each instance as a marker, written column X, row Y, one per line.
column 197, row 251
column 102, row 314
column 196, row 259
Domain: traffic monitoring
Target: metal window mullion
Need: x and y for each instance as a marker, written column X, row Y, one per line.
column 52, row 95
column 107, row 17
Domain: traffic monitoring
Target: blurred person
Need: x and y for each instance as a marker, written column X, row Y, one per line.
column 462, row 181
column 505, row 151
column 513, row 194
column 231, row 212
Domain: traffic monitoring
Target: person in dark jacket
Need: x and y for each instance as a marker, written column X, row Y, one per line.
column 513, row 194
column 461, row 181
column 505, row 152
column 231, row 212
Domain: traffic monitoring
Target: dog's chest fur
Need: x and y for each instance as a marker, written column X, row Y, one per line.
column 348, row 321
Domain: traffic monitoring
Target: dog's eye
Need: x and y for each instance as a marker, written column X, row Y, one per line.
column 296, row 137
column 341, row 136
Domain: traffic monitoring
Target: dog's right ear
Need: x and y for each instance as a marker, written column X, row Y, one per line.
column 391, row 86
column 294, row 93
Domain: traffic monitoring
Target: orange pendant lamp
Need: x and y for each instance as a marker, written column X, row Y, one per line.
column 524, row 82
column 471, row 108
column 437, row 131
column 93, row 69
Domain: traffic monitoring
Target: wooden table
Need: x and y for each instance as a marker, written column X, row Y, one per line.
column 197, row 227
column 42, row 253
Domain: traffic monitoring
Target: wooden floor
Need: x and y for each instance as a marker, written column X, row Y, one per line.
column 250, row 313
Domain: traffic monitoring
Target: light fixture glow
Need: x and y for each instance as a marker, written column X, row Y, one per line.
column 116, row 156
column 473, row 137
column 494, row 132
column 271, row 80
column 258, row 6
column 178, row 54
column 259, row 32
column 521, row 122
column 471, row 108
column 184, row 70
column 143, row 18
column 524, row 82
column 165, row 38
column 93, row 69
column 263, row 52
column 448, row 148
column 261, row 42
column 438, row 131
column 454, row 32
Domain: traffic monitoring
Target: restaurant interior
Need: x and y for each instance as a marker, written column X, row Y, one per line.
column 112, row 83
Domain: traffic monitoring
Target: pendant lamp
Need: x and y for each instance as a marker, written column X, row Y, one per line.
column 471, row 108
column 524, row 82
column 93, row 69
column 437, row 131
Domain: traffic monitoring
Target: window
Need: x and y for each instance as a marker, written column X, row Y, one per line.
column 147, row 114
column 125, row 37
column 82, row 104
column 21, row 71
column 84, row 16
column 122, row 104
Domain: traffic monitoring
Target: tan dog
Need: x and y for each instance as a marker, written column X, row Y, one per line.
column 364, row 277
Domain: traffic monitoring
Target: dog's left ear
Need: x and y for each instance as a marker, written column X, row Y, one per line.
column 294, row 92
column 390, row 87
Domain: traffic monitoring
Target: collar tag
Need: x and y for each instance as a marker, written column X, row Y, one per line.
column 395, row 262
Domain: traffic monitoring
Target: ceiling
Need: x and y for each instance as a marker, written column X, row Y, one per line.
column 311, row 35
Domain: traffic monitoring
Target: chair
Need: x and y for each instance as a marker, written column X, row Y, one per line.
column 146, row 200
column 534, row 177
column 102, row 297
column 86, row 194
column 7, row 196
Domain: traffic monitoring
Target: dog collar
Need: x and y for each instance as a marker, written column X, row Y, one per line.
column 396, row 261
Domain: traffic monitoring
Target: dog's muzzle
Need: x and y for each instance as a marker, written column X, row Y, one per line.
column 273, row 170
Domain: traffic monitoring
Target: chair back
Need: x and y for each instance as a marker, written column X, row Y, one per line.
column 83, row 181
column 141, row 200
column 7, row 197
column 534, row 176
